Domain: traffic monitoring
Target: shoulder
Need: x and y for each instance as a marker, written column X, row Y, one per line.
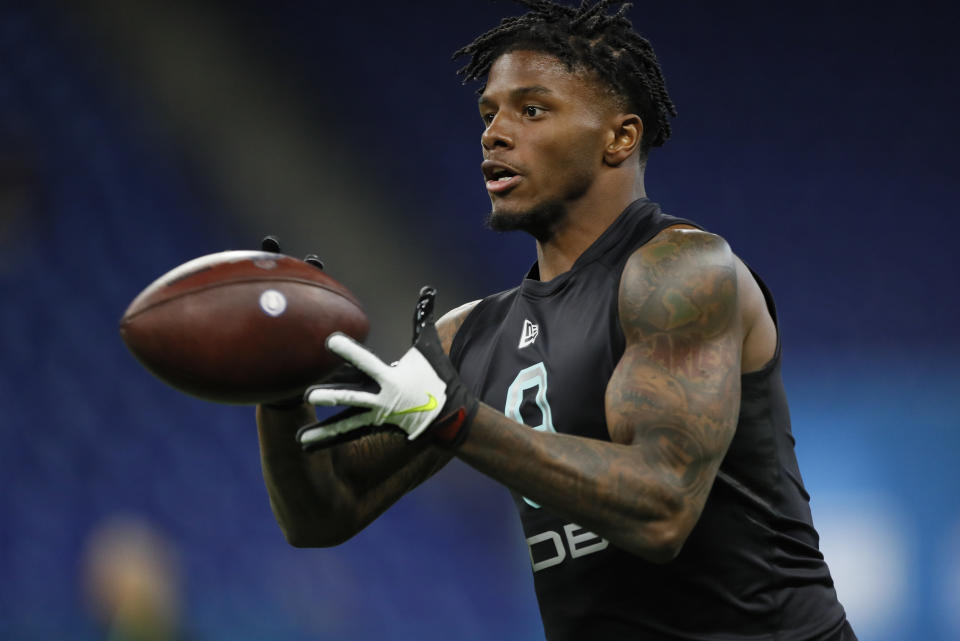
column 683, row 280
column 450, row 323
column 684, row 246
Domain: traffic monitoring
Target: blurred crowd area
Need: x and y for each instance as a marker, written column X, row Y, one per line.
column 816, row 137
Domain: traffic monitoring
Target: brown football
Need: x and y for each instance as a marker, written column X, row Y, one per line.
column 241, row 326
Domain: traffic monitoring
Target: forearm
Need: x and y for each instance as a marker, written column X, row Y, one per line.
column 601, row 486
column 324, row 497
column 304, row 512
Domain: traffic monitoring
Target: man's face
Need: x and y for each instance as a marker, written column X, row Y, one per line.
column 545, row 131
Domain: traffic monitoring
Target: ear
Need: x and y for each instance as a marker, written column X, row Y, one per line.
column 624, row 139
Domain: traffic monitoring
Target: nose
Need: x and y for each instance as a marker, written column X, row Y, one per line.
column 496, row 134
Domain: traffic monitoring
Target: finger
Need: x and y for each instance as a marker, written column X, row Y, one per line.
column 331, row 396
column 270, row 244
column 357, row 433
column 423, row 312
column 346, row 376
column 313, row 435
column 353, row 352
column 313, row 259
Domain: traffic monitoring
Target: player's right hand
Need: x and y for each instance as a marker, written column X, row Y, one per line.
column 421, row 391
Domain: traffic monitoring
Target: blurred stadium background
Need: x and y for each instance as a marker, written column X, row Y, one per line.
column 818, row 137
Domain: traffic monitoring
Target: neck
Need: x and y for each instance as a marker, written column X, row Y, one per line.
column 586, row 220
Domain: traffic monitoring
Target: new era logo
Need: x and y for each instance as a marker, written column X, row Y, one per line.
column 529, row 333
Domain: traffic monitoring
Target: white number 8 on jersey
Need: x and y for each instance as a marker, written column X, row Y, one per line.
column 534, row 376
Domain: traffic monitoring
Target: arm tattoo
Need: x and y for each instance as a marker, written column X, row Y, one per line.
column 379, row 468
column 675, row 393
column 671, row 407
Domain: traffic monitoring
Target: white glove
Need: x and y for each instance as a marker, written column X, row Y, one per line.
column 411, row 394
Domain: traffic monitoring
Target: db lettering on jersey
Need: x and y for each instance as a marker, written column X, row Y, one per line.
column 549, row 548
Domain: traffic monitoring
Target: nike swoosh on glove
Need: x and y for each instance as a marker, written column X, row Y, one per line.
column 420, row 392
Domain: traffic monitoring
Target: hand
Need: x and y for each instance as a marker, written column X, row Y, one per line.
column 420, row 392
column 272, row 244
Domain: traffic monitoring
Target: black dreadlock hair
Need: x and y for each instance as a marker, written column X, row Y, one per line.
column 584, row 38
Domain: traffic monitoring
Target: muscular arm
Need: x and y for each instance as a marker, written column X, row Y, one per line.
column 324, row 497
column 671, row 407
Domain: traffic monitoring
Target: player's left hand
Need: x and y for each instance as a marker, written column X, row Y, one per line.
column 271, row 244
column 419, row 393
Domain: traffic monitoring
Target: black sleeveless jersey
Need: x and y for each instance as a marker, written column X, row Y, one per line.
column 750, row 569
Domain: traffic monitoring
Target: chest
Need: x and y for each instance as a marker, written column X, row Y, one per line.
column 545, row 360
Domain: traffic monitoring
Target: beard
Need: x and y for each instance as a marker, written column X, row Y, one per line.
column 544, row 219
column 541, row 221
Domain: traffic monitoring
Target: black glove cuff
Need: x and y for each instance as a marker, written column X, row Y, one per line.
column 451, row 429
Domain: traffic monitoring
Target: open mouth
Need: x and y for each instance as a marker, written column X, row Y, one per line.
column 499, row 177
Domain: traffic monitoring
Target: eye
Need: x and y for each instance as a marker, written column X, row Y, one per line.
column 487, row 118
column 531, row 111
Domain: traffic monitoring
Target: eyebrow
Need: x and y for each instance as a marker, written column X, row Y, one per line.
column 520, row 92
